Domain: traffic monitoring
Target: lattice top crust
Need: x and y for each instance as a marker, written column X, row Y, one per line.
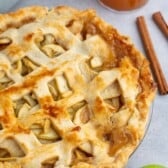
column 73, row 91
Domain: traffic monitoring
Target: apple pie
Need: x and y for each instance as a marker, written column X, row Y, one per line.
column 73, row 91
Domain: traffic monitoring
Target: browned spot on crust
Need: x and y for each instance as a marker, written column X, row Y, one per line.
column 45, row 100
column 146, row 80
column 73, row 137
column 77, row 128
column 19, row 13
column 5, row 119
column 28, row 20
column 53, row 110
column 98, row 107
column 14, row 49
column 29, row 37
column 17, row 128
column 8, row 117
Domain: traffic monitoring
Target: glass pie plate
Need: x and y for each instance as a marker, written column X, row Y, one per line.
column 149, row 119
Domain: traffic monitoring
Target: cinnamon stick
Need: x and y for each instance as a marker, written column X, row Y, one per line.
column 147, row 42
column 161, row 23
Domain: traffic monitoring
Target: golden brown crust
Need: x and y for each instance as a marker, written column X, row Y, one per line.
column 21, row 17
column 74, row 92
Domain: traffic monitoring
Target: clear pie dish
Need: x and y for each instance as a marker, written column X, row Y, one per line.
column 149, row 120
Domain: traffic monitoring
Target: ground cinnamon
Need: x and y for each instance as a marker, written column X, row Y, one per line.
column 161, row 80
column 159, row 20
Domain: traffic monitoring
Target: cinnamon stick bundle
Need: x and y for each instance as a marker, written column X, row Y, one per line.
column 147, row 42
column 161, row 23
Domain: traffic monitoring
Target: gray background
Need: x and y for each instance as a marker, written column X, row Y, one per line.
column 154, row 147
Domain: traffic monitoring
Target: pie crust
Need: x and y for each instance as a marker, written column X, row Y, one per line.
column 73, row 91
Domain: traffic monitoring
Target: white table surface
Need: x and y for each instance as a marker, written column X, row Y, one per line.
column 154, row 148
